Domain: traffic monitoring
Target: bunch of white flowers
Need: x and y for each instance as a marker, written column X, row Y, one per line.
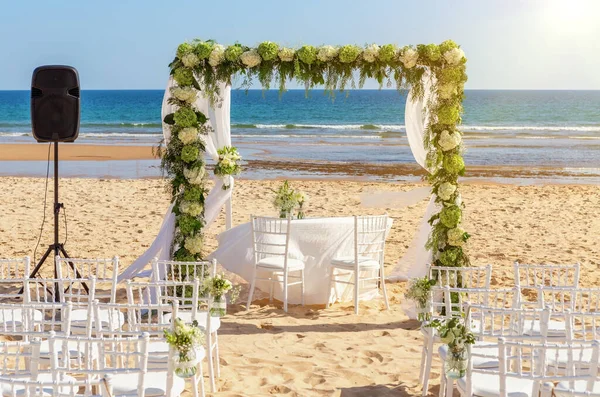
column 286, row 54
column 217, row 55
column 190, row 60
column 446, row 91
column 193, row 244
column 456, row 237
column 188, row 135
column 327, row 53
column 229, row 159
column 185, row 94
column 454, row 56
column 191, row 208
column 251, row 58
column 370, row 53
column 446, row 190
column 409, row 58
column 449, row 140
column 194, row 175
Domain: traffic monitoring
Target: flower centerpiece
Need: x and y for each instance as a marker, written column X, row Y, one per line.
column 419, row 291
column 287, row 200
column 217, row 287
column 186, row 339
column 453, row 333
column 228, row 164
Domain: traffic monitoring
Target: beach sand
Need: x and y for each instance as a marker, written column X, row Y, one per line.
column 312, row 351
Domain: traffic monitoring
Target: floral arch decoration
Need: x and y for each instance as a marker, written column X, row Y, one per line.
column 201, row 68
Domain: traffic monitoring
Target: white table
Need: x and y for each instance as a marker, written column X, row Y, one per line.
column 317, row 240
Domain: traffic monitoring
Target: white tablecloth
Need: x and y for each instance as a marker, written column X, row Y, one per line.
column 317, row 240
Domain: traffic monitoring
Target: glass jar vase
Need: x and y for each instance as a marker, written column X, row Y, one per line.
column 456, row 363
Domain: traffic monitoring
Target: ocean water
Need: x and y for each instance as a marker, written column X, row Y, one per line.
column 516, row 128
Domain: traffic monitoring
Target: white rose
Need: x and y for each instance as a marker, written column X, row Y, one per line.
column 251, row 58
column 448, row 140
column 454, row 56
column 446, row 190
column 194, row 175
column 456, row 237
column 327, row 53
column 190, row 60
column 217, row 55
column 370, row 53
column 188, row 135
column 409, row 58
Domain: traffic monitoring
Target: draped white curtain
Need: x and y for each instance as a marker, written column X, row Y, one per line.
column 219, row 136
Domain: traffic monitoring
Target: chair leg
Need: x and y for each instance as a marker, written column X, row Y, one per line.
column 356, row 290
column 217, row 360
column 423, row 358
column 302, row 287
column 443, row 381
column 385, row 297
column 272, row 281
column 201, row 378
column 251, row 292
column 427, row 372
column 329, row 289
column 211, row 371
column 285, row 291
column 449, row 387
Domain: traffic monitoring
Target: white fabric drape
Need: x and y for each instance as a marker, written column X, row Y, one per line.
column 218, row 137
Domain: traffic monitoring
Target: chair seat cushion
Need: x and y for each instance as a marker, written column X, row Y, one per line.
column 555, row 328
column 110, row 321
column 277, row 263
column 75, row 350
column 579, row 385
column 19, row 390
column 201, row 317
column 478, row 362
column 155, row 384
column 348, row 262
column 582, row 357
column 488, row 385
column 10, row 318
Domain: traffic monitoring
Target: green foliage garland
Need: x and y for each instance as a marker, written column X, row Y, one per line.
column 206, row 64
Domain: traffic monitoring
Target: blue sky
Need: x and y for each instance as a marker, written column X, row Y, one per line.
column 510, row 44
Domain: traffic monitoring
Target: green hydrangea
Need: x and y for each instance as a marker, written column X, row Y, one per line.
column 450, row 256
column 189, row 153
column 183, row 76
column 448, row 114
column 233, row 52
column 387, row 52
column 454, row 75
column 183, row 49
column 447, row 45
column 203, row 49
column 268, row 50
column 307, row 54
column 193, row 193
column 432, row 52
column 185, row 117
column 450, row 216
column 349, row 53
column 188, row 225
column 454, row 164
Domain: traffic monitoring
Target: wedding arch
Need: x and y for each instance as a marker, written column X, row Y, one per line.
column 196, row 120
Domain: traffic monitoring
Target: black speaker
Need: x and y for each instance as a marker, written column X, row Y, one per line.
column 55, row 104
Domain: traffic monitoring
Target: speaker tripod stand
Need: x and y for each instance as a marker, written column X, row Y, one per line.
column 57, row 248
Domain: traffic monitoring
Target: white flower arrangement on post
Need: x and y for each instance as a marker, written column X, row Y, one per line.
column 218, row 287
column 228, row 165
column 287, row 200
column 186, row 339
column 419, row 291
column 457, row 336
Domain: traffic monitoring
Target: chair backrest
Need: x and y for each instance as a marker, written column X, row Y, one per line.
column 369, row 237
column 527, row 276
column 519, row 324
column 185, row 293
column 35, row 320
column 12, row 387
column 183, row 271
column 456, row 299
column 20, row 359
column 582, row 326
column 270, row 237
column 79, row 291
column 567, row 298
column 461, row 277
column 12, row 274
column 105, row 271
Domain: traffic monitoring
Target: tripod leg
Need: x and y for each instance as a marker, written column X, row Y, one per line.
column 72, row 265
column 39, row 265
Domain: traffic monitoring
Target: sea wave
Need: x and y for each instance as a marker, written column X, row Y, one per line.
column 311, row 136
column 385, row 127
column 549, row 128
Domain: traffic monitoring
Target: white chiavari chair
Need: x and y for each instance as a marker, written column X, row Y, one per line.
column 271, row 248
column 475, row 278
column 12, row 274
column 366, row 264
column 528, row 276
column 12, row 387
column 183, row 271
column 125, row 359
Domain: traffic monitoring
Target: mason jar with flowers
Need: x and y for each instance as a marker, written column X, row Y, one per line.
column 187, row 339
column 217, row 287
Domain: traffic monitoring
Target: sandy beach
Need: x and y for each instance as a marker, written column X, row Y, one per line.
column 312, row 351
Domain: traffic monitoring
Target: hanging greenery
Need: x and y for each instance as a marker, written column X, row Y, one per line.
column 204, row 64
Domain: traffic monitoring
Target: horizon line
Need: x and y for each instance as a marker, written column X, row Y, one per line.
column 322, row 89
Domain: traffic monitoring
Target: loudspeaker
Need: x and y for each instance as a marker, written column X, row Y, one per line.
column 55, row 104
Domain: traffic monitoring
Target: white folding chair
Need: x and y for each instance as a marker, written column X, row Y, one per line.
column 531, row 276
column 12, row 274
column 366, row 264
column 469, row 278
column 271, row 245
